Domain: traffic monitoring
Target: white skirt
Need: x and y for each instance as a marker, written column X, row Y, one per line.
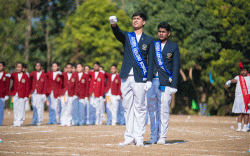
column 239, row 105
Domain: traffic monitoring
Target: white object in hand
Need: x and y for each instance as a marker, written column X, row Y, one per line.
column 148, row 85
column 228, row 83
column 113, row 19
column 173, row 90
column 6, row 98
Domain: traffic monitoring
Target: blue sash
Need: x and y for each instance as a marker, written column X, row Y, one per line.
column 160, row 60
column 137, row 55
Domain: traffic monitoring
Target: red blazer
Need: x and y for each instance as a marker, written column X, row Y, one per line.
column 115, row 85
column 21, row 87
column 82, row 86
column 54, row 85
column 69, row 85
column 4, row 85
column 38, row 85
column 97, row 85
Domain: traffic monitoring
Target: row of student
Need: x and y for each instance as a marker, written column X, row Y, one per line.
column 74, row 98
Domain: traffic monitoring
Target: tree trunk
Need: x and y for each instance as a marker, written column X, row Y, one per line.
column 47, row 39
column 28, row 32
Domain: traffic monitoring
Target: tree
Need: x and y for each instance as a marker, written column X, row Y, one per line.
column 87, row 36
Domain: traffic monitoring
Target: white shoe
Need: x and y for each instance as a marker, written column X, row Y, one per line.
column 127, row 142
column 161, row 141
column 244, row 129
column 238, row 130
column 151, row 141
column 140, row 144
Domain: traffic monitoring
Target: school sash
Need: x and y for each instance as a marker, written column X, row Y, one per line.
column 244, row 90
column 137, row 55
column 158, row 52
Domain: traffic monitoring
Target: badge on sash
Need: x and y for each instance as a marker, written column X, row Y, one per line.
column 144, row 47
column 23, row 81
column 116, row 81
column 169, row 55
column 58, row 79
column 73, row 80
column 4, row 78
column 99, row 79
column 83, row 80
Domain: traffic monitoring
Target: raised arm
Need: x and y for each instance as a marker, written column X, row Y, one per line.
column 120, row 36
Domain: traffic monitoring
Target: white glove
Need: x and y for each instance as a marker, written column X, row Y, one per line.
column 173, row 90
column 228, row 83
column 118, row 97
column 74, row 97
column 25, row 99
column 112, row 19
column 148, row 85
column 59, row 73
column 6, row 98
column 7, row 75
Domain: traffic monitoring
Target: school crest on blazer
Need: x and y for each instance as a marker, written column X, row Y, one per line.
column 99, row 79
column 169, row 55
column 23, row 81
column 73, row 80
column 42, row 79
column 4, row 78
column 144, row 47
column 58, row 79
column 83, row 80
column 116, row 81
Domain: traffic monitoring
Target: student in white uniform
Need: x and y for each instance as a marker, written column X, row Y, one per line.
column 242, row 97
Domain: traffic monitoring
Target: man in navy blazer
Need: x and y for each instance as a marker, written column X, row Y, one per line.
column 136, row 75
column 159, row 96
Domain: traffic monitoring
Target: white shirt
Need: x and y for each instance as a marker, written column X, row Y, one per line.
column 38, row 75
column 96, row 74
column 113, row 77
column 20, row 76
column 238, row 91
column 55, row 74
column 69, row 75
column 1, row 75
column 80, row 76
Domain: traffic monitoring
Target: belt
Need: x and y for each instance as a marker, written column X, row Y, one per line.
column 156, row 76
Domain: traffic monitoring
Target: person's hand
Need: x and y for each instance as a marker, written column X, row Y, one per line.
column 173, row 90
column 118, row 97
column 113, row 20
column 74, row 97
column 6, row 98
column 228, row 83
column 148, row 85
column 8, row 75
column 25, row 99
column 59, row 73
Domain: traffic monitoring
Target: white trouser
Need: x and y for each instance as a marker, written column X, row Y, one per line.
column 108, row 111
column 96, row 102
column 120, row 114
column 158, row 107
column 27, row 105
column 66, row 111
column 2, row 103
column 53, row 109
column 19, row 110
column 102, row 106
column 135, row 108
column 38, row 108
column 90, row 112
column 79, row 111
column 113, row 108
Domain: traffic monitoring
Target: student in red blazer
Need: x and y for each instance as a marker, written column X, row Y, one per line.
column 96, row 90
column 113, row 95
column 4, row 91
column 54, row 86
column 82, row 95
column 20, row 90
column 38, row 93
column 68, row 92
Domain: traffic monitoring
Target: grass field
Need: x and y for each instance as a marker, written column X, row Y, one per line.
column 187, row 135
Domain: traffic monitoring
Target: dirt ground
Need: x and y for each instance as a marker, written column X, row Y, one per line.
column 187, row 135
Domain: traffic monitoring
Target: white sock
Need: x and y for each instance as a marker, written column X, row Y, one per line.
column 239, row 125
column 245, row 126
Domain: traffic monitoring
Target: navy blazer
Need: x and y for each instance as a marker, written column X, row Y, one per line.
column 147, row 49
column 171, row 59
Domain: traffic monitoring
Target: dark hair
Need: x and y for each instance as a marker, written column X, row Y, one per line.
column 56, row 63
column 39, row 63
column 87, row 66
column 20, row 63
column 79, row 64
column 164, row 25
column 102, row 67
column 24, row 65
column 142, row 15
column 98, row 63
column 69, row 64
column 2, row 63
column 113, row 65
